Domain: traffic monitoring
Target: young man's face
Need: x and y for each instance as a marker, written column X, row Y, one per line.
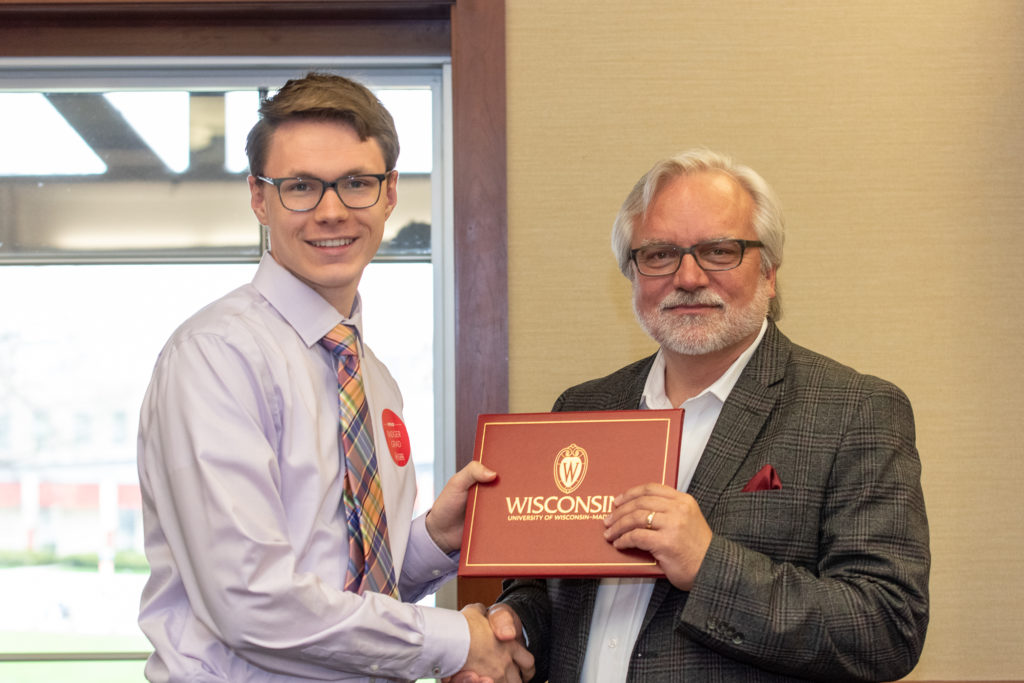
column 328, row 247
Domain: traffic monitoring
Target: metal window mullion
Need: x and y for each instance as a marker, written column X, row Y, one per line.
column 72, row 656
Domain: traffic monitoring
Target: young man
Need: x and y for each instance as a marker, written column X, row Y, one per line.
column 795, row 545
column 278, row 516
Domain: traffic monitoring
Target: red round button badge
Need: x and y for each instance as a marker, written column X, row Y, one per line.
column 397, row 437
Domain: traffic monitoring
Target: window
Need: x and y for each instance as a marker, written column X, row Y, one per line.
column 110, row 240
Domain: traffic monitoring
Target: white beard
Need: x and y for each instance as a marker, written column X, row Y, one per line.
column 697, row 335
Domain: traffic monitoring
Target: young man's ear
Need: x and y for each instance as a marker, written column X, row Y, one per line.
column 390, row 191
column 258, row 199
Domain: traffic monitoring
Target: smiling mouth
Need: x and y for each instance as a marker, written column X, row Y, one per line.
column 690, row 302
column 691, row 310
column 340, row 242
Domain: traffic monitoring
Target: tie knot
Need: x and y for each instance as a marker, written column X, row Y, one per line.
column 341, row 341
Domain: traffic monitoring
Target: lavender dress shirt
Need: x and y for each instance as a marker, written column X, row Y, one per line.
column 241, row 480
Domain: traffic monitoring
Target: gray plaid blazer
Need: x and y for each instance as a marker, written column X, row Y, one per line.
column 825, row 579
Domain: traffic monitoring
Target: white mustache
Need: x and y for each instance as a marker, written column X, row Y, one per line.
column 701, row 298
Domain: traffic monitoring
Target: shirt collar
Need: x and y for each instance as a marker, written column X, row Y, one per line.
column 654, row 395
column 307, row 312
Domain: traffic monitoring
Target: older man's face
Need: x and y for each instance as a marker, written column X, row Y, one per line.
column 697, row 312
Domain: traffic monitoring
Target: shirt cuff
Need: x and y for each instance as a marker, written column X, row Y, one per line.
column 424, row 561
column 445, row 641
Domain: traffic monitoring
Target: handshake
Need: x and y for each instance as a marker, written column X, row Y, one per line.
column 497, row 650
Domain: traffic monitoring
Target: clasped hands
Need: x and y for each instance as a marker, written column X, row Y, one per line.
column 497, row 652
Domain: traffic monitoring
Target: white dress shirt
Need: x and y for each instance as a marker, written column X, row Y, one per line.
column 621, row 603
column 241, row 477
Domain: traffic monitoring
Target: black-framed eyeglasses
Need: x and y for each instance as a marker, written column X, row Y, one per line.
column 304, row 194
column 656, row 260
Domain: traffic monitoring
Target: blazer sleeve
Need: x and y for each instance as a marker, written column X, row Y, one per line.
column 529, row 599
column 848, row 600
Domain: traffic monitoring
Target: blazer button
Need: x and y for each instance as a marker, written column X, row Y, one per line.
column 712, row 625
column 737, row 638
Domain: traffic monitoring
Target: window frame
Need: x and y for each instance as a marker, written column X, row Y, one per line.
column 471, row 32
column 217, row 74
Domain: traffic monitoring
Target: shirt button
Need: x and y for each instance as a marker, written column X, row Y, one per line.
column 437, row 671
column 374, row 667
column 613, row 643
column 437, row 572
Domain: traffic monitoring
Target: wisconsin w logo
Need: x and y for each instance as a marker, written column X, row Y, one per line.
column 570, row 468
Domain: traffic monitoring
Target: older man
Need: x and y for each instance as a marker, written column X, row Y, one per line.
column 795, row 545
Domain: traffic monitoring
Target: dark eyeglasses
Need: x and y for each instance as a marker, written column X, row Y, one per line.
column 304, row 194
column 656, row 260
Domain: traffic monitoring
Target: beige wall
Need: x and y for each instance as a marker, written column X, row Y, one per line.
column 894, row 134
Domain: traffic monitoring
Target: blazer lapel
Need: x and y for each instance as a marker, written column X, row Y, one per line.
column 743, row 415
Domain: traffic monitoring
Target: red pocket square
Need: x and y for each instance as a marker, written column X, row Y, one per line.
column 766, row 479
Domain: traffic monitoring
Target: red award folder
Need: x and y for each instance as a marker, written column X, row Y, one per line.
column 558, row 474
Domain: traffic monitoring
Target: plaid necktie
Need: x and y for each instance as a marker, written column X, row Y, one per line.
column 369, row 552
